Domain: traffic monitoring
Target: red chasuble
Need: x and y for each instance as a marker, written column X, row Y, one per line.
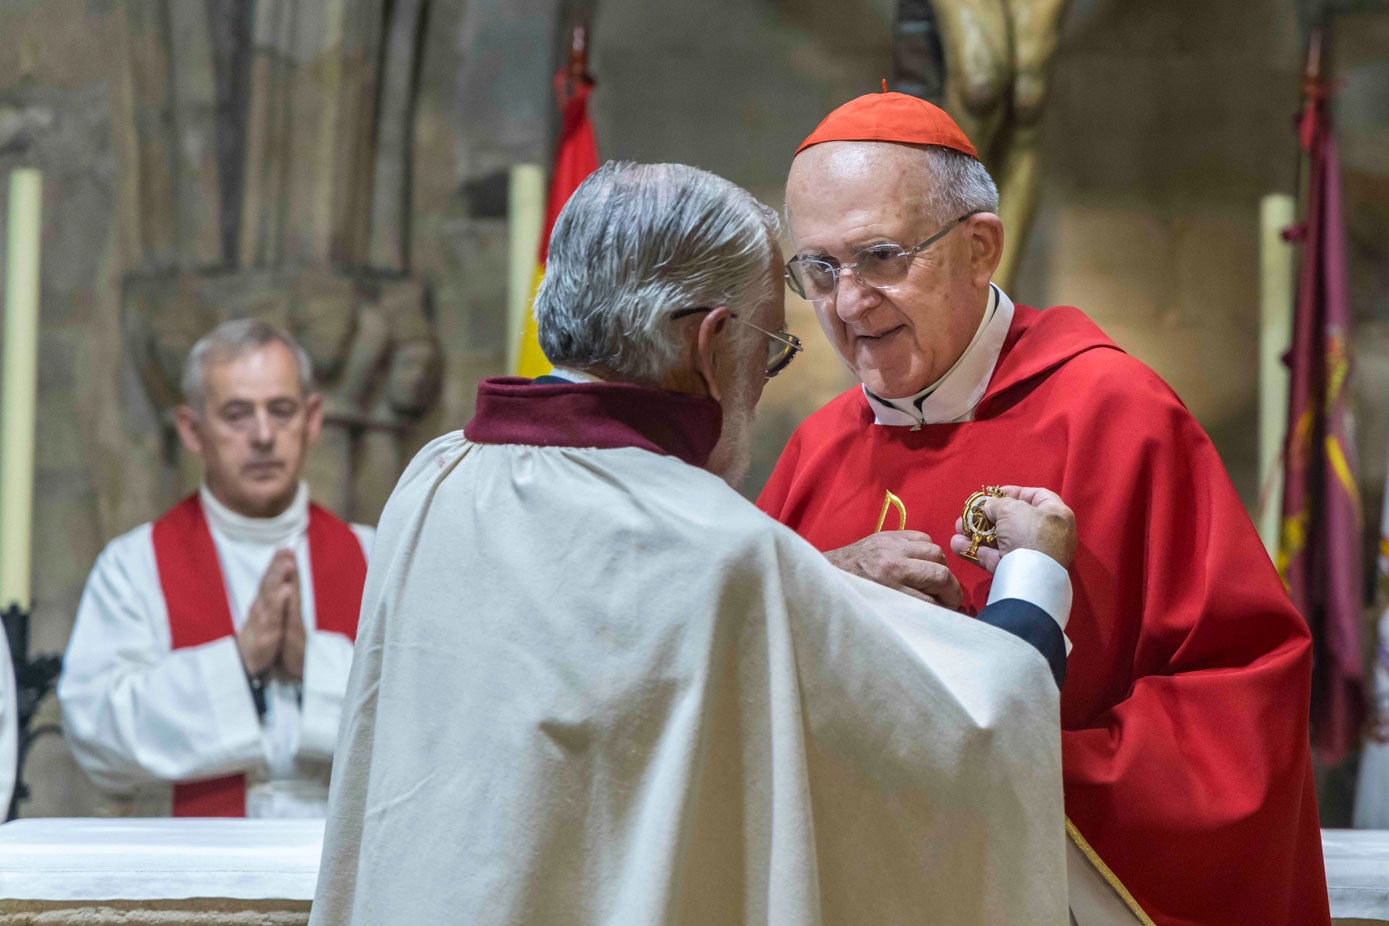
column 1184, row 713
column 190, row 576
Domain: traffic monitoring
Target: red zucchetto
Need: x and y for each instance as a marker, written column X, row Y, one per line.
column 894, row 117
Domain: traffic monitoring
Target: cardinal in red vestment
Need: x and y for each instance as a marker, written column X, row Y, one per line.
column 1188, row 779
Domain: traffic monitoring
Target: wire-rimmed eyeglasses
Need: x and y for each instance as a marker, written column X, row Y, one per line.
column 877, row 265
column 782, row 347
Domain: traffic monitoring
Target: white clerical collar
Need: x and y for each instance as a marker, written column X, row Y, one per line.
column 954, row 396
column 574, row 376
column 280, row 530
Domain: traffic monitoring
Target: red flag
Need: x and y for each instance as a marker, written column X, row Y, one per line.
column 1319, row 554
column 575, row 158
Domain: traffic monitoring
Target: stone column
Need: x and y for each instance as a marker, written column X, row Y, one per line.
column 320, row 235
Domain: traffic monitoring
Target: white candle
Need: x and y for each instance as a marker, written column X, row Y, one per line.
column 17, row 391
column 1276, row 212
column 525, row 220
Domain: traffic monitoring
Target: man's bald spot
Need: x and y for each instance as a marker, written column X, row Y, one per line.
column 905, row 169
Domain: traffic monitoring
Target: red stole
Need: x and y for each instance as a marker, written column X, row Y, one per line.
column 195, row 593
column 1184, row 713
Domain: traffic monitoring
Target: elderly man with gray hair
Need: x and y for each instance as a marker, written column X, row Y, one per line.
column 206, row 669
column 596, row 685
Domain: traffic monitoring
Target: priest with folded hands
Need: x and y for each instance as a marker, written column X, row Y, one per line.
column 206, row 669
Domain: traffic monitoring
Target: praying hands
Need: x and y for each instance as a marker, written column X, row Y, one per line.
column 273, row 635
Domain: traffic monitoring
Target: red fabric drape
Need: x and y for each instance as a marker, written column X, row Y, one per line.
column 575, row 158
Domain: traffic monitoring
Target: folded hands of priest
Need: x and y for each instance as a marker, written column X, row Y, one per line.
column 273, row 636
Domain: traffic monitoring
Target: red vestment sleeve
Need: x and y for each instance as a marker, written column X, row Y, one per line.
column 1195, row 786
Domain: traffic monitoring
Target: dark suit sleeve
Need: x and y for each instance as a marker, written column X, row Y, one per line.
column 1024, row 619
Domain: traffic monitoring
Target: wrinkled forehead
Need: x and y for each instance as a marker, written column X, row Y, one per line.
column 835, row 175
column 259, row 372
column 852, row 161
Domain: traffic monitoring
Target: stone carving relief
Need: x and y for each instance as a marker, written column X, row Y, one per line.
column 272, row 176
column 995, row 58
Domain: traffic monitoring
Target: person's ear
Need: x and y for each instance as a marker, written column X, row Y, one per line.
column 985, row 235
column 186, row 422
column 711, row 330
column 313, row 411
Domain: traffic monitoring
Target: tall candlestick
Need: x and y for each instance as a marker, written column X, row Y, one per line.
column 17, row 392
column 526, row 217
column 1276, row 212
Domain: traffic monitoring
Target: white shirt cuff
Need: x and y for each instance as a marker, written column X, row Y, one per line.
column 327, row 662
column 239, row 735
column 1038, row 579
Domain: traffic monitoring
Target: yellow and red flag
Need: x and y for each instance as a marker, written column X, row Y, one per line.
column 575, row 158
column 1319, row 553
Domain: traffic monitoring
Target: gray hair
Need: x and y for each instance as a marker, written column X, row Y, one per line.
column 233, row 339
column 637, row 242
column 959, row 184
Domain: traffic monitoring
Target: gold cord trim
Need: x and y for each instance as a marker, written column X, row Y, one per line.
column 1110, row 877
column 892, row 501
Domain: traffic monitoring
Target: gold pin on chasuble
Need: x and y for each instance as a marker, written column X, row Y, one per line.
column 892, row 501
column 977, row 525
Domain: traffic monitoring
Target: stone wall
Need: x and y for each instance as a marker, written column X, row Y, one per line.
column 1161, row 136
column 60, row 86
column 1167, row 124
column 1359, row 43
column 105, row 460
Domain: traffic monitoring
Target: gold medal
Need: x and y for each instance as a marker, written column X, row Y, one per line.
column 977, row 525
